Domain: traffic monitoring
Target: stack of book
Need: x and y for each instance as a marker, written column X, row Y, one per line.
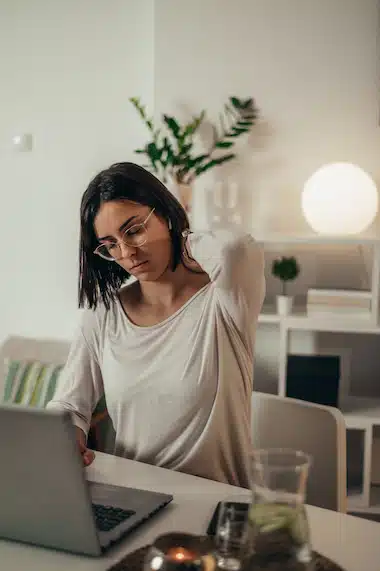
column 323, row 302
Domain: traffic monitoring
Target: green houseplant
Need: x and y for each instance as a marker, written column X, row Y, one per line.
column 171, row 153
column 285, row 269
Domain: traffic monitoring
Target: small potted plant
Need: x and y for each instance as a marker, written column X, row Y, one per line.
column 286, row 270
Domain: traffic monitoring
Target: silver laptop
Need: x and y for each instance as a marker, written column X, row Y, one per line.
column 45, row 498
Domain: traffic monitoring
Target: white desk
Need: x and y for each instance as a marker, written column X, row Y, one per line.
column 352, row 542
column 363, row 414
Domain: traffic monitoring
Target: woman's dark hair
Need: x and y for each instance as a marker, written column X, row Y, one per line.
column 100, row 279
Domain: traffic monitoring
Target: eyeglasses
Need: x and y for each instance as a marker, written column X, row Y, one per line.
column 134, row 236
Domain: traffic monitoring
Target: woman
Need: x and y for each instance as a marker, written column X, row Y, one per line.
column 172, row 352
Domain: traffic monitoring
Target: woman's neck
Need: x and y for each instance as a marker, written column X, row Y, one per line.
column 171, row 286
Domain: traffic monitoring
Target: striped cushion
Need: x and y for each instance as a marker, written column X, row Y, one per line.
column 30, row 383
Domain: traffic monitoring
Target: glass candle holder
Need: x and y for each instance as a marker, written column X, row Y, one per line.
column 179, row 552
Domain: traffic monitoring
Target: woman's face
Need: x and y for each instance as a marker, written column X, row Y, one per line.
column 143, row 252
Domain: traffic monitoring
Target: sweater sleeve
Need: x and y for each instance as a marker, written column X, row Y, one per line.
column 235, row 264
column 80, row 384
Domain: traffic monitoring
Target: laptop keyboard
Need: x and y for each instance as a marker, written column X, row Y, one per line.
column 108, row 517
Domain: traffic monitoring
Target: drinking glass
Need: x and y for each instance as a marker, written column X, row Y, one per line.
column 278, row 524
column 231, row 537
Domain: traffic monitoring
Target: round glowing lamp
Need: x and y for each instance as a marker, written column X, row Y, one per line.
column 340, row 198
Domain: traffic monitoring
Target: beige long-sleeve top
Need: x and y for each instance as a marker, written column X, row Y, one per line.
column 178, row 392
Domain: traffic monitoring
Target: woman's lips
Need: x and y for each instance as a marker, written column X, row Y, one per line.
column 138, row 266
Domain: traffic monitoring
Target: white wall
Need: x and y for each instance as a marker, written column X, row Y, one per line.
column 313, row 67
column 66, row 72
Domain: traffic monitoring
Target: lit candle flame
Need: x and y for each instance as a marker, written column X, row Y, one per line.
column 180, row 554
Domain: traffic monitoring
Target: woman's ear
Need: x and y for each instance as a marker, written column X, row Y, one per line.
column 170, row 226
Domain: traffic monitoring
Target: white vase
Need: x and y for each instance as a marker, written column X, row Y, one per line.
column 185, row 196
column 183, row 193
column 284, row 304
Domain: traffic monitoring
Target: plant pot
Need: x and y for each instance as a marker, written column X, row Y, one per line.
column 185, row 196
column 183, row 193
column 284, row 304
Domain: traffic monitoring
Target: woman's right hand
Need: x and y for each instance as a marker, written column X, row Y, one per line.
column 88, row 455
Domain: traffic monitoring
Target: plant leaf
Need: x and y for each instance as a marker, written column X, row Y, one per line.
column 153, row 151
column 185, row 149
column 167, row 153
column 191, row 163
column 172, row 125
column 286, row 269
column 236, row 132
column 224, row 144
column 239, row 130
column 214, row 163
column 154, row 155
column 236, row 102
column 141, row 111
column 248, row 103
column 191, row 127
column 249, row 117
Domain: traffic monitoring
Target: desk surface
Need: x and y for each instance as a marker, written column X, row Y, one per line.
column 352, row 542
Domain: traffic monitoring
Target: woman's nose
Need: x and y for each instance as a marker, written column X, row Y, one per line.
column 126, row 251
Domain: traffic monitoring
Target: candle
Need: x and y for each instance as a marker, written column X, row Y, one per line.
column 182, row 559
column 180, row 554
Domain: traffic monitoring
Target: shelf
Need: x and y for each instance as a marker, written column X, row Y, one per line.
column 359, row 412
column 355, row 501
column 330, row 322
column 269, row 315
column 277, row 238
column 334, row 323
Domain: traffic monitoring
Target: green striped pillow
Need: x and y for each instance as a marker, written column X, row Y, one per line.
column 30, row 383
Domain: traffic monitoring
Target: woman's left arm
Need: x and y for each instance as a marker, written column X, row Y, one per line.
column 235, row 263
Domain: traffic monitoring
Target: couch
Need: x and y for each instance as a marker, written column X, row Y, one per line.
column 27, row 352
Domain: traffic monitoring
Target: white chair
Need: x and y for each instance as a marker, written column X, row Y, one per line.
column 320, row 431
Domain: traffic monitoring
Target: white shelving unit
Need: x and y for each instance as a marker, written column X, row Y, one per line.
column 360, row 414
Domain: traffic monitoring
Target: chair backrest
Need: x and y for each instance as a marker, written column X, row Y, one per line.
column 25, row 348
column 318, row 430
